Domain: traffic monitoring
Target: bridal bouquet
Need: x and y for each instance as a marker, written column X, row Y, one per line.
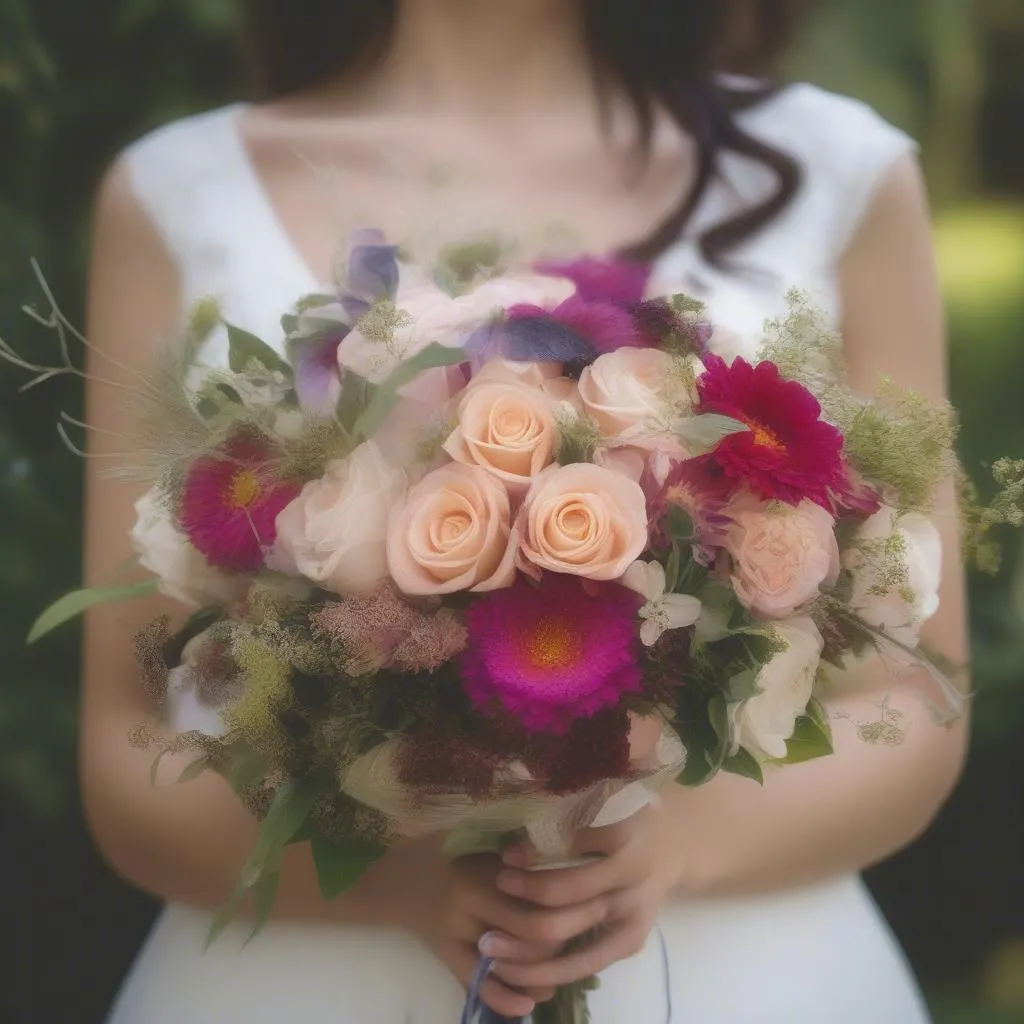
column 487, row 553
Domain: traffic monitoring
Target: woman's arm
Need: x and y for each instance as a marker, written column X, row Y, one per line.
column 848, row 811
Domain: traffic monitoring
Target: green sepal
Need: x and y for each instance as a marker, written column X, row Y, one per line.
column 338, row 867
column 245, row 348
column 70, row 606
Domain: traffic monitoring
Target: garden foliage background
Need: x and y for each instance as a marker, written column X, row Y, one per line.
column 80, row 78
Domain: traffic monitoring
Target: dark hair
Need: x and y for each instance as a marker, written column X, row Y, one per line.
column 661, row 52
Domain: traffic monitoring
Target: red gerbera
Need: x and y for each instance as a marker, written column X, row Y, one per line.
column 231, row 501
column 788, row 453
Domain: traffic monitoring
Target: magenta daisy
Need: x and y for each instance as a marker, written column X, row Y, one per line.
column 788, row 453
column 230, row 503
column 552, row 653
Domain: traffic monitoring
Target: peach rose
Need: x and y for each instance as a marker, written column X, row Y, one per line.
column 624, row 392
column 507, row 428
column 582, row 519
column 333, row 533
column 452, row 532
column 782, row 555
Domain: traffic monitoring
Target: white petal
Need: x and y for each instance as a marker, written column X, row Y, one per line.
column 681, row 610
column 650, row 632
column 646, row 578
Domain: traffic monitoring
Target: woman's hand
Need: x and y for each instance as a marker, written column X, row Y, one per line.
column 629, row 883
column 455, row 907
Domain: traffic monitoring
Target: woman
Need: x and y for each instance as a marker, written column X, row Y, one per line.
column 727, row 903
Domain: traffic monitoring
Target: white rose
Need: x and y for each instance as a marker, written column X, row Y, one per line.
column 915, row 553
column 762, row 724
column 625, row 393
column 183, row 573
column 334, row 532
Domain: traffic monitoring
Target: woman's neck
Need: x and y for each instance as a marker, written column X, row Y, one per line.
column 485, row 58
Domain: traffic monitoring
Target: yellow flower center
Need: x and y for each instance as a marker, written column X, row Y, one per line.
column 244, row 489
column 552, row 644
column 763, row 437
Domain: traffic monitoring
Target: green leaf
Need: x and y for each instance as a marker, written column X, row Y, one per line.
column 72, row 605
column 386, row 395
column 812, row 737
column 289, row 323
column 679, row 525
column 264, row 892
column 741, row 686
column 700, row 434
column 245, row 348
column 245, row 768
column 744, row 763
column 194, row 770
column 356, row 393
column 224, row 916
column 672, row 569
column 288, row 813
column 339, row 867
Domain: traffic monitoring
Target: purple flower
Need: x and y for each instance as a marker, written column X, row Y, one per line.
column 317, row 375
column 371, row 271
column 620, row 282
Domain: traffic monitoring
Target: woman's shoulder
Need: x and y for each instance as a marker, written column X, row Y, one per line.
column 844, row 147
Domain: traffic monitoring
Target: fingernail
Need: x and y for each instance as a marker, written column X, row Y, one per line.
column 486, row 945
column 510, row 882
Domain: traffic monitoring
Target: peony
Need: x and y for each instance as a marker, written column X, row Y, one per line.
column 624, row 391
column 334, row 532
column 183, row 573
column 584, row 520
column 763, row 723
column 507, row 428
column 896, row 563
column 782, row 556
column 452, row 532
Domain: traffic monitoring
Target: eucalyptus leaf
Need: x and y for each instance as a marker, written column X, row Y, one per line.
column 70, row 606
column 700, row 434
column 386, row 395
column 245, row 348
column 339, row 867
column 744, row 763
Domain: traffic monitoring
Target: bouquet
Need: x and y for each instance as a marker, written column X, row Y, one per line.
column 494, row 553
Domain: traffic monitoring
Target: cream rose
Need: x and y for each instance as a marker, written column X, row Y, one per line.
column 623, row 392
column 505, row 427
column 334, row 532
column 896, row 564
column 582, row 519
column 182, row 572
column 782, row 556
column 452, row 532
column 763, row 723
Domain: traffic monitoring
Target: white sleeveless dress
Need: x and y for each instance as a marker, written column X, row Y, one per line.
column 818, row 954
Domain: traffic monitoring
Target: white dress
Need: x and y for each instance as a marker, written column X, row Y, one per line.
column 818, row 954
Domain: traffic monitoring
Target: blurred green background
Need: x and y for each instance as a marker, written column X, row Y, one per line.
column 80, row 78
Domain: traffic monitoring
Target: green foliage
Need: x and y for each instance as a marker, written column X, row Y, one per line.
column 340, row 866
column 70, row 606
column 244, row 349
column 812, row 737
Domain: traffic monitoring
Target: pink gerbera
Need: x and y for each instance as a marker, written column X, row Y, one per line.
column 231, row 501
column 552, row 653
column 700, row 488
column 788, row 453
